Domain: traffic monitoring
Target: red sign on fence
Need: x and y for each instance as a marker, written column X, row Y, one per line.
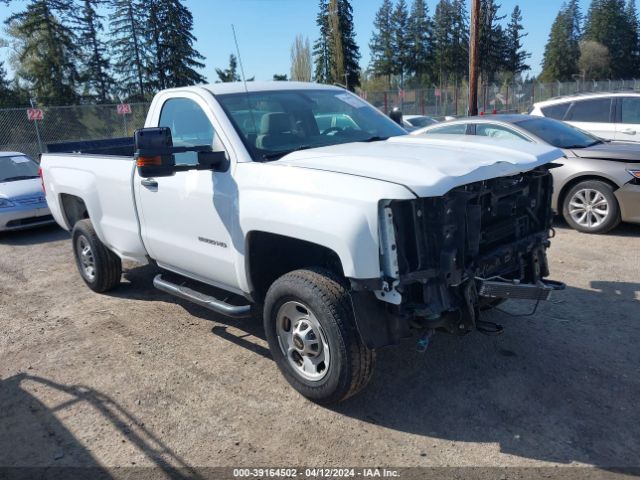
column 124, row 109
column 35, row 114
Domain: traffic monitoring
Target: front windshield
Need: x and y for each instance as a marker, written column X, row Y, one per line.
column 274, row 123
column 559, row 134
column 17, row 167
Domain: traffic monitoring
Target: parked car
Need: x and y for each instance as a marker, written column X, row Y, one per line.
column 598, row 184
column 611, row 116
column 350, row 236
column 418, row 121
column 22, row 201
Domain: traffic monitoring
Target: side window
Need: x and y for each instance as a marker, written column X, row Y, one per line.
column 556, row 111
column 498, row 132
column 630, row 110
column 455, row 129
column 596, row 110
column 189, row 127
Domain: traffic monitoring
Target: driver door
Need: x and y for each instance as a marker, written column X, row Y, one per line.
column 187, row 219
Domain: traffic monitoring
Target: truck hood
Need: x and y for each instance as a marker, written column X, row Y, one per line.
column 428, row 166
column 617, row 151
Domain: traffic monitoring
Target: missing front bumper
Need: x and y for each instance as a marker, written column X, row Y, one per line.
column 514, row 290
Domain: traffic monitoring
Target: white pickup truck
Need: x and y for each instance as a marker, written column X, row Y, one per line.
column 307, row 201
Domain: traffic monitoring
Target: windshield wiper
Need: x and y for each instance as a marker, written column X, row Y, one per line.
column 277, row 155
column 20, row 177
column 375, row 138
column 569, row 147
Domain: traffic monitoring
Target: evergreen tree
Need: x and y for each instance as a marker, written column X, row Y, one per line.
column 607, row 24
column 451, row 40
column 420, row 37
column 231, row 73
column 492, row 41
column 631, row 14
column 381, row 44
column 562, row 50
column 350, row 51
column 401, row 40
column 460, row 44
column 95, row 64
column 46, row 50
column 130, row 57
column 179, row 59
column 5, row 90
column 322, row 47
column 336, row 51
column 277, row 77
column 516, row 57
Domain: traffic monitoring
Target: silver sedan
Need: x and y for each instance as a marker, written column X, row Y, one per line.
column 598, row 184
column 22, row 201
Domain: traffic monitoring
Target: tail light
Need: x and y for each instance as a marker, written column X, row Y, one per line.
column 44, row 190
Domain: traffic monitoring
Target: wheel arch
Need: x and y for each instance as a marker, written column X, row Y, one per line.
column 271, row 255
column 578, row 179
column 73, row 209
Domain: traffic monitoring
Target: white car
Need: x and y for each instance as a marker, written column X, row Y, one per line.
column 612, row 116
column 22, row 201
column 350, row 233
column 417, row 121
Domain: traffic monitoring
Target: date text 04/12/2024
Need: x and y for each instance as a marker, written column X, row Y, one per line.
column 315, row 473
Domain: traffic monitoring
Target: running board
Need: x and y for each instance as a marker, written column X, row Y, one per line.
column 206, row 301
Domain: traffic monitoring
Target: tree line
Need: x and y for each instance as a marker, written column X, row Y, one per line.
column 603, row 44
column 412, row 46
column 62, row 57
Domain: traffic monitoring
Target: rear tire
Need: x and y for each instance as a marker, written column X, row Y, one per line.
column 310, row 327
column 99, row 267
column 591, row 207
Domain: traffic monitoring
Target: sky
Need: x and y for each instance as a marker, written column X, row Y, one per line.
column 266, row 29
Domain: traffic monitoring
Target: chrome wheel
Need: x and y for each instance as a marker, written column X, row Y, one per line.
column 85, row 256
column 302, row 340
column 589, row 208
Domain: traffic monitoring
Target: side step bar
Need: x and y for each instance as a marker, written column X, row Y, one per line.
column 206, row 301
column 519, row 291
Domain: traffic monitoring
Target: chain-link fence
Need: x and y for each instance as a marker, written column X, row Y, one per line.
column 516, row 98
column 93, row 122
column 66, row 124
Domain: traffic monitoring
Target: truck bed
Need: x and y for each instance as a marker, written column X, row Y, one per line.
column 104, row 183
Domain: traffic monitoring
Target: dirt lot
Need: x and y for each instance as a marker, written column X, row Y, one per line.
column 138, row 378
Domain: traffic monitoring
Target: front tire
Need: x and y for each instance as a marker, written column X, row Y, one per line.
column 99, row 267
column 310, row 327
column 591, row 207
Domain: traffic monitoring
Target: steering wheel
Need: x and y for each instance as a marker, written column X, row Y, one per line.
column 331, row 130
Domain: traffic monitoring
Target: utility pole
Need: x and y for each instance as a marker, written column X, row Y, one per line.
column 473, row 57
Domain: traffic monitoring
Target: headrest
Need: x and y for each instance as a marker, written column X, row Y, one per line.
column 276, row 122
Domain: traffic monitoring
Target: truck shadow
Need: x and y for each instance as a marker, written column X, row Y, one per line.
column 560, row 386
column 34, row 441
column 34, row 236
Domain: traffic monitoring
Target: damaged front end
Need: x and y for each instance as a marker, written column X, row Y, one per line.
column 445, row 258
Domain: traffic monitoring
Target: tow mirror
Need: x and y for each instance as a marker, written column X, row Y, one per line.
column 154, row 152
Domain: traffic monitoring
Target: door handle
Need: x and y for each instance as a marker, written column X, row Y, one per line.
column 629, row 131
column 149, row 183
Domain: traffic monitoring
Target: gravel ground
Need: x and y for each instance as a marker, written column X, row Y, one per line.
column 137, row 378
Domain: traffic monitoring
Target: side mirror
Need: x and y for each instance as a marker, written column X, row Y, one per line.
column 216, row 161
column 396, row 116
column 154, row 152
